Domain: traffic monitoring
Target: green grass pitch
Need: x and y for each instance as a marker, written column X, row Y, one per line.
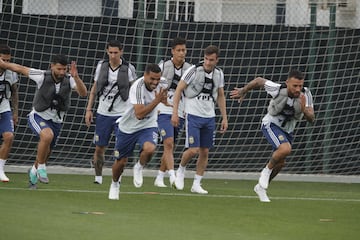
column 71, row 207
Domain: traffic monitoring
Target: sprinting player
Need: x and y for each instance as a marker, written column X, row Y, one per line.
column 290, row 102
column 111, row 86
column 203, row 86
column 51, row 100
column 172, row 70
column 8, row 113
column 138, row 126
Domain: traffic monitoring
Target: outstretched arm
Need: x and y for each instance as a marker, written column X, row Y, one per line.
column 239, row 93
column 15, row 67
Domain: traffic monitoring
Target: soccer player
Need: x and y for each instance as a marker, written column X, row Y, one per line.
column 138, row 126
column 111, row 86
column 171, row 70
column 50, row 103
column 203, row 86
column 8, row 118
column 290, row 102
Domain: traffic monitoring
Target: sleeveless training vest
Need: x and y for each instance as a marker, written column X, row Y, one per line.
column 201, row 84
column 46, row 96
column 279, row 106
column 5, row 87
column 169, row 73
column 122, row 83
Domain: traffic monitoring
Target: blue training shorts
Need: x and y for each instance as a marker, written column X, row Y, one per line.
column 200, row 132
column 166, row 129
column 275, row 135
column 6, row 122
column 104, row 127
column 126, row 142
column 37, row 123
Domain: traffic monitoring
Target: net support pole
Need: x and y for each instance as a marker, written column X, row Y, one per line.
column 140, row 27
column 159, row 24
column 311, row 76
column 329, row 88
column 155, row 24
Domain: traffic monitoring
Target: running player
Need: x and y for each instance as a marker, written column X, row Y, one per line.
column 138, row 126
column 111, row 86
column 290, row 102
column 172, row 70
column 203, row 86
column 8, row 116
column 51, row 101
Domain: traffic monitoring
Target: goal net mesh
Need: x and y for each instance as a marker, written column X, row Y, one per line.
column 265, row 38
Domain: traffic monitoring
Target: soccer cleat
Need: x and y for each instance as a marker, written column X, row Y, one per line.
column 114, row 191
column 3, row 177
column 159, row 182
column 261, row 192
column 172, row 179
column 138, row 175
column 42, row 175
column 32, row 180
column 196, row 188
column 264, row 178
column 98, row 180
column 179, row 180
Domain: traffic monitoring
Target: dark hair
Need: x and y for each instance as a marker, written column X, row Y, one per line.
column 4, row 49
column 59, row 58
column 178, row 41
column 296, row 74
column 152, row 67
column 211, row 49
column 114, row 43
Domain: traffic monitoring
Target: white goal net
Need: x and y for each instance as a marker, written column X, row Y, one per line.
column 263, row 38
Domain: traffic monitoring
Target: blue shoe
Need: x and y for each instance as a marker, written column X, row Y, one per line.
column 42, row 175
column 32, row 180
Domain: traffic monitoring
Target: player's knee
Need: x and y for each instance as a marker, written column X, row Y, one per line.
column 99, row 152
column 121, row 163
column 193, row 151
column 284, row 150
column 8, row 137
column 169, row 143
column 148, row 148
column 46, row 135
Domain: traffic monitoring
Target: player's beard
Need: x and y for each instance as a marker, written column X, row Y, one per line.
column 59, row 78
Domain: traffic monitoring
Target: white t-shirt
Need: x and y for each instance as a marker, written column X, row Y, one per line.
column 163, row 109
column 139, row 94
column 119, row 105
column 5, row 103
column 201, row 105
column 273, row 89
column 38, row 76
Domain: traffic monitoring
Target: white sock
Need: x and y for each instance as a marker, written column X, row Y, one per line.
column 161, row 174
column 33, row 169
column 42, row 166
column 115, row 184
column 138, row 164
column 268, row 169
column 197, row 179
column 171, row 172
column 2, row 164
column 181, row 168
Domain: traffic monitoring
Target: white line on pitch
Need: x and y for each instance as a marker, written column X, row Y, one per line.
column 187, row 194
